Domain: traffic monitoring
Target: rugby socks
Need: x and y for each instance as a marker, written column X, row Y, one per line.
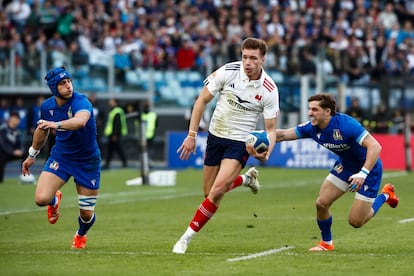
column 204, row 212
column 325, row 227
column 85, row 225
column 53, row 202
column 237, row 182
column 379, row 201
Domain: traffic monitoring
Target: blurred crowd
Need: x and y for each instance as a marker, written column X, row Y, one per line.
column 357, row 40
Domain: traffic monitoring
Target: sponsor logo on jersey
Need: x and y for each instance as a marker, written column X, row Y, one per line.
column 337, row 135
column 241, row 100
column 51, row 111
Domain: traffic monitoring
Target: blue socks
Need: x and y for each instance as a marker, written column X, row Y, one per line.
column 379, row 201
column 84, row 226
column 325, row 227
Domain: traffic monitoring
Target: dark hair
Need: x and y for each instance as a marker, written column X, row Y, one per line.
column 255, row 43
column 14, row 114
column 325, row 101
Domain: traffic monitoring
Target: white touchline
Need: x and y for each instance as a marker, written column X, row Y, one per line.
column 260, row 254
column 406, row 220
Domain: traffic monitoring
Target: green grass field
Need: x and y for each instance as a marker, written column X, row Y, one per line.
column 264, row 234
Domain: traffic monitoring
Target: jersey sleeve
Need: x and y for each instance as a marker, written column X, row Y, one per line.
column 271, row 107
column 304, row 130
column 83, row 104
column 356, row 130
column 216, row 80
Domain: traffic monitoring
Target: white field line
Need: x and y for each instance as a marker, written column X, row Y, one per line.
column 260, row 254
column 130, row 196
column 406, row 220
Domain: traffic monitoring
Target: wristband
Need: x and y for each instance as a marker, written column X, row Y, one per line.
column 365, row 170
column 192, row 134
column 33, row 153
column 59, row 125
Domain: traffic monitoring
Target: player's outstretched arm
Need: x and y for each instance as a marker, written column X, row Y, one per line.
column 285, row 134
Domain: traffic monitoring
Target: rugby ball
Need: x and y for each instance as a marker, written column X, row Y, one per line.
column 259, row 139
column 27, row 179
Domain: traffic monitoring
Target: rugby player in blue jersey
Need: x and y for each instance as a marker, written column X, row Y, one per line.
column 75, row 154
column 358, row 168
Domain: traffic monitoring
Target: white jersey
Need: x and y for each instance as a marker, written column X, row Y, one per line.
column 240, row 101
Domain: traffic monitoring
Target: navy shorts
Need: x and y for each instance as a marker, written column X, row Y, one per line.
column 86, row 173
column 372, row 182
column 220, row 148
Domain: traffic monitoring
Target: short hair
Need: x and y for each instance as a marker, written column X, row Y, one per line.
column 255, row 43
column 325, row 101
column 14, row 114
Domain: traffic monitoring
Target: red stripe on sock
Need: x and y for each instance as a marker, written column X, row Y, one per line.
column 204, row 212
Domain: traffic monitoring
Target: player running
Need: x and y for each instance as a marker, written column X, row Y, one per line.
column 358, row 168
column 75, row 153
column 244, row 91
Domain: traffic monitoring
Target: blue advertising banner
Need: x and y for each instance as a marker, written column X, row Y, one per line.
column 304, row 153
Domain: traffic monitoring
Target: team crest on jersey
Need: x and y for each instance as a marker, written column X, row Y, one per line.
column 258, row 97
column 337, row 135
column 338, row 168
column 70, row 115
column 54, row 165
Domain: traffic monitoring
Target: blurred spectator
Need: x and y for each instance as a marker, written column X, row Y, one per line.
column 115, row 130
column 10, row 142
column 356, row 111
column 122, row 64
column 381, row 120
column 79, row 60
column 186, row 55
column 398, row 119
column 23, row 112
column 31, row 60
column 387, row 17
column 18, row 12
column 4, row 110
column 47, row 17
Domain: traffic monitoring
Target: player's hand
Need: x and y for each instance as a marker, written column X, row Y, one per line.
column 262, row 156
column 187, row 147
column 26, row 165
column 43, row 124
column 356, row 181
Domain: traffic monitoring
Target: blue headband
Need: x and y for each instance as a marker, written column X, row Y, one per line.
column 54, row 76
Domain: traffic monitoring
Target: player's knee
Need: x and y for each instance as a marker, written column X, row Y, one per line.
column 42, row 200
column 355, row 222
column 86, row 215
column 320, row 205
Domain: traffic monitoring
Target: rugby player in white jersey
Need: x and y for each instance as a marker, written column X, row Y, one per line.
column 245, row 92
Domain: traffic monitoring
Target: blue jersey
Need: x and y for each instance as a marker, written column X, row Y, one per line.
column 343, row 136
column 76, row 145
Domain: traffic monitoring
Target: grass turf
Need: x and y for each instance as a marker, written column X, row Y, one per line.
column 264, row 234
